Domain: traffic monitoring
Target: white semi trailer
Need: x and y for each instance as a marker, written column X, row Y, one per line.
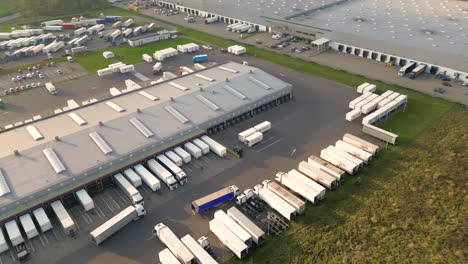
column 131, row 192
column 183, row 154
column 326, row 167
column 85, row 200
column 64, row 218
column 173, row 168
column 217, row 148
column 355, row 151
column 229, row 239
column 253, row 139
column 17, row 240
column 346, row 155
column 297, row 186
column 235, row 228
column 275, row 202
column 290, row 198
column 361, row 143
column 174, row 157
column 197, row 250
column 258, row 236
column 163, row 174
column 339, row 161
column 180, row 251
column 28, row 226
column 317, row 175
column 129, row 214
column 193, row 150
column 147, row 177
column 201, row 145
column 132, row 177
column 42, row 219
column 166, row 257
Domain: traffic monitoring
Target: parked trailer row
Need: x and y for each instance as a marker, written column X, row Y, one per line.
column 284, row 194
column 234, row 227
column 275, row 202
column 361, row 143
column 326, row 167
column 298, row 187
column 165, row 176
column 173, row 243
column 229, row 239
column 317, row 175
column 148, row 178
column 262, row 128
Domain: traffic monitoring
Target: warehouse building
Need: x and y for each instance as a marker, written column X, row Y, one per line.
column 50, row 158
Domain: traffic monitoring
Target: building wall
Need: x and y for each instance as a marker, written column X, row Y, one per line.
column 397, row 60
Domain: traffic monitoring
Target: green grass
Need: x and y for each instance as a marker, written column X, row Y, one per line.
column 7, row 7
column 93, row 61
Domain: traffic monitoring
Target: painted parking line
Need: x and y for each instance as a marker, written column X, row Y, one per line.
column 106, row 204
column 31, row 245
column 12, row 255
column 99, row 212
column 113, row 200
column 206, row 159
column 186, row 168
column 269, row 145
column 194, row 165
column 45, row 238
column 42, row 241
column 264, row 142
column 117, row 193
column 55, row 234
column 146, row 188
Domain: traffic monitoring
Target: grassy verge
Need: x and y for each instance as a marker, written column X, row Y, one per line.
column 93, row 61
column 7, row 7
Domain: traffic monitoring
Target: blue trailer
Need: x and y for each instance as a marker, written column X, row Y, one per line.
column 112, row 19
column 200, row 58
column 100, row 21
column 215, row 199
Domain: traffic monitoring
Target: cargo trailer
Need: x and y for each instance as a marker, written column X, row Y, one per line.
column 174, row 157
column 361, row 87
column 257, row 234
column 147, row 58
column 234, row 227
column 284, row 194
column 346, row 155
column 355, row 151
column 417, row 71
column 147, row 177
column 407, row 68
column 163, row 174
column 42, row 219
column 157, row 68
column 338, row 161
column 214, row 199
column 3, row 243
column 217, row 148
column 370, row 88
column 180, row 175
column 229, row 239
column 197, row 250
column 132, row 177
column 246, row 133
column 275, row 202
column 360, row 143
column 85, row 200
column 254, row 139
column 317, row 175
column 201, row 145
column 173, row 243
column 64, row 218
column 380, row 133
column 263, row 127
column 212, row 19
column 131, row 192
column 28, row 226
column 183, row 154
column 166, row 257
column 319, row 189
column 117, row 222
column 353, row 114
column 193, row 150
column 17, row 240
column 298, row 187
column 200, row 58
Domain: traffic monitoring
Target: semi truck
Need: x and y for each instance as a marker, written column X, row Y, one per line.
column 235, row 228
column 217, row 148
column 355, row 151
column 290, row 198
column 28, row 226
column 197, row 250
column 17, row 241
column 417, row 71
column 338, row 161
column 64, row 218
column 274, row 201
column 42, row 219
column 173, row 243
column 132, row 177
column 229, row 239
column 85, row 200
column 131, row 192
column 147, row 177
column 111, row 226
column 361, row 143
column 200, row 58
column 317, row 175
column 183, row 154
column 173, row 168
column 166, row 257
column 174, row 157
column 201, row 145
column 297, row 186
column 257, row 234
column 163, row 174
column 407, row 68
column 193, row 150
column 214, row 199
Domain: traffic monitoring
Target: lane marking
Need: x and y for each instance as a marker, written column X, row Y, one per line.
column 269, row 145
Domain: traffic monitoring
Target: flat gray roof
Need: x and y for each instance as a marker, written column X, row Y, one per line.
column 30, row 172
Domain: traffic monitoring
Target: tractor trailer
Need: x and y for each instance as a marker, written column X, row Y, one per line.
column 214, row 199
column 163, row 174
column 290, row 198
column 173, row 168
column 131, row 192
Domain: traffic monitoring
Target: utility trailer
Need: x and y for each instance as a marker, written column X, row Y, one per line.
column 254, row 139
column 85, row 200
column 361, row 143
column 380, row 133
column 284, row 194
column 317, row 175
column 193, row 150
column 275, row 202
column 180, row 251
column 417, row 71
column 42, row 219
column 132, row 177
column 111, row 226
column 326, row 167
column 229, row 239
column 258, row 236
column 173, row 168
column 319, row 189
column 201, row 255
column 64, row 218
column 346, row 155
column 235, row 228
column 131, row 192
column 163, row 174
column 202, row 145
column 298, row 186
column 217, row 148
column 28, row 226
column 340, row 162
column 147, row 177
column 355, row 151
column 214, row 199
column 174, row 157
column 183, row 154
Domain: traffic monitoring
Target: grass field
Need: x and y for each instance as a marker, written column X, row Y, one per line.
column 93, row 61
column 7, row 7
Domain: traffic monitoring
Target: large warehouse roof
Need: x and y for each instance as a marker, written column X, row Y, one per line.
column 83, row 142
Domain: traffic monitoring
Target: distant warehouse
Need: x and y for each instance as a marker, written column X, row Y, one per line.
column 160, row 35
column 50, row 158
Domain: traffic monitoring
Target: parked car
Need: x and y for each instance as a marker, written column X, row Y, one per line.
column 33, row 85
column 41, row 76
column 27, row 86
column 445, row 78
column 59, row 71
column 18, row 78
column 440, row 90
column 39, row 84
column 446, row 84
column 13, row 79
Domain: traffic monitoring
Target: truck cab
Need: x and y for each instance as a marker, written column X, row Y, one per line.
column 140, row 210
column 22, row 252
